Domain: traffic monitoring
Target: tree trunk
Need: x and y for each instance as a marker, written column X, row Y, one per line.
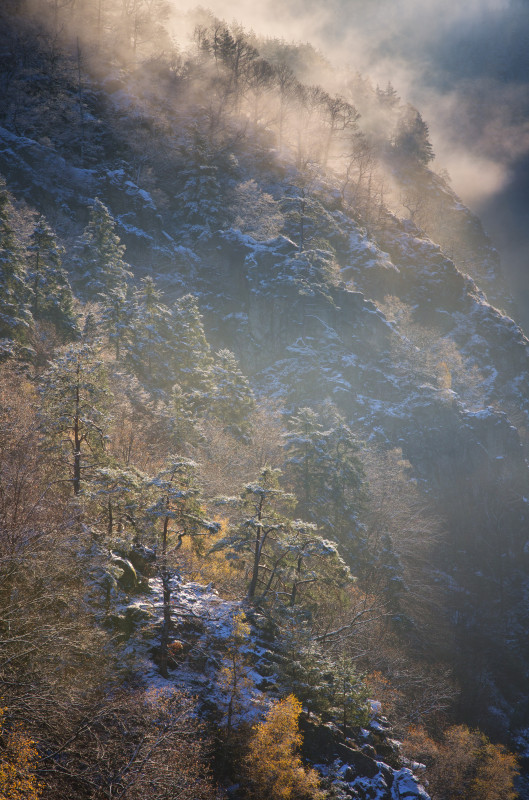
column 166, row 625
column 256, row 559
column 77, row 434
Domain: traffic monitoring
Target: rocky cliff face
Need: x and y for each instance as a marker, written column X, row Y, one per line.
column 460, row 420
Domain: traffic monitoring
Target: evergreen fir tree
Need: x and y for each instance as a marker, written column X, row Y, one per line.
column 412, row 139
column 52, row 297
column 191, row 359
column 306, row 458
column 388, row 97
column 150, row 346
column 345, row 493
column 328, row 477
column 117, row 316
column 201, row 195
column 183, row 423
column 232, row 400
column 101, row 253
column 15, row 298
column 349, row 698
column 91, row 330
column 304, row 670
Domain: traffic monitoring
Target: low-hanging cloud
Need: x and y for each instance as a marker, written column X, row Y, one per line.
column 464, row 65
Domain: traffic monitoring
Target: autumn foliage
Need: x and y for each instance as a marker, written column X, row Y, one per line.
column 464, row 765
column 273, row 767
column 18, row 758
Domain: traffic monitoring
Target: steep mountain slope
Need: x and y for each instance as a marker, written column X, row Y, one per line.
column 222, row 172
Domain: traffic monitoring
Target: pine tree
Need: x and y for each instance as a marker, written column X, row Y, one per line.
column 306, row 458
column 75, row 415
column 388, row 97
column 303, row 668
column 183, row 423
column 345, row 477
column 328, row 478
column 200, row 197
column 117, row 316
column 412, row 138
column 151, row 343
column 307, row 220
column 101, row 254
column 306, row 561
column 179, row 510
column 349, row 695
column 52, row 297
column 232, row 400
column 15, row 298
column 120, row 494
column 283, row 556
column 191, row 359
column 263, row 522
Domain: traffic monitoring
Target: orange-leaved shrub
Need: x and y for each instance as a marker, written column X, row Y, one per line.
column 465, row 765
column 18, row 759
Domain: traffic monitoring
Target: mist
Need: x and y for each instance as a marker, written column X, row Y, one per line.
column 465, row 66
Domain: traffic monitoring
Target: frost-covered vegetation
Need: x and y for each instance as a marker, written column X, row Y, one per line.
column 263, row 489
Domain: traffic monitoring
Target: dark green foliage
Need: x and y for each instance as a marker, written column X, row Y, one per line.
column 120, row 494
column 263, row 523
column 52, row 298
column 100, row 254
column 176, row 512
column 327, row 685
column 284, row 557
column 192, row 359
column 176, row 506
column 182, row 135
column 306, row 456
column 304, row 670
column 412, row 142
column 349, row 696
column 15, row 297
column 232, row 400
column 117, row 316
column 150, row 346
column 327, row 474
column 200, row 199
column 182, row 422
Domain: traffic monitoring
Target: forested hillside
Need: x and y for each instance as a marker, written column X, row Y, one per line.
column 263, row 428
